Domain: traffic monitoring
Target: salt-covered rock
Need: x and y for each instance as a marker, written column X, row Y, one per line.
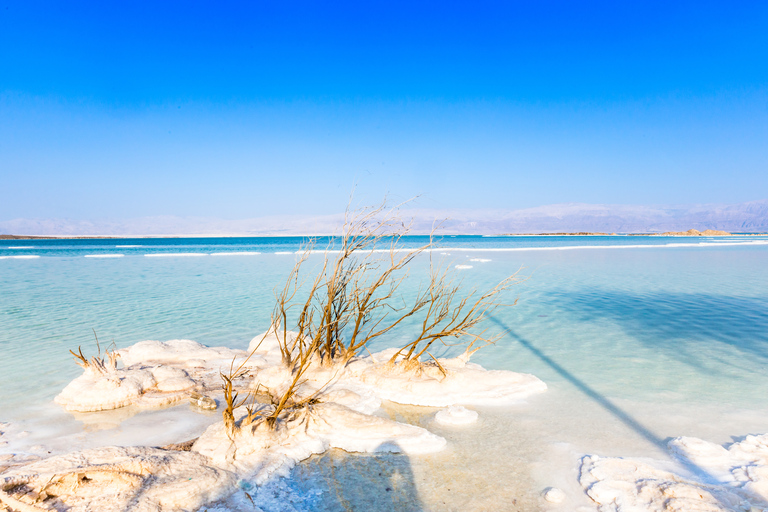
column 179, row 353
column 617, row 484
column 553, row 495
column 154, row 374
column 462, row 383
column 737, row 478
column 261, row 452
column 95, row 391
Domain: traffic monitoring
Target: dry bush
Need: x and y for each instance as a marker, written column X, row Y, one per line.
column 354, row 299
column 281, row 404
column 451, row 315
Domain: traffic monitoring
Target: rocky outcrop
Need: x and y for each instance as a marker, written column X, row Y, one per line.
column 695, row 232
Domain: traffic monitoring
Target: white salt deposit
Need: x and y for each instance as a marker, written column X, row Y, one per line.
column 259, row 452
column 463, row 383
column 93, row 391
column 116, row 479
column 340, row 416
column 553, row 495
column 186, row 353
column 455, row 415
column 143, row 478
column 732, row 478
column 155, row 374
column 617, row 484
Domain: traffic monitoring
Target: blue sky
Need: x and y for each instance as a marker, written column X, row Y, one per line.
column 244, row 109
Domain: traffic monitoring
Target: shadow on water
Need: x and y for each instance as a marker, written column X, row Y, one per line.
column 579, row 384
column 601, row 400
column 350, row 482
column 683, row 326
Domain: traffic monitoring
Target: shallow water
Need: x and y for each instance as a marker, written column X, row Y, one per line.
column 636, row 344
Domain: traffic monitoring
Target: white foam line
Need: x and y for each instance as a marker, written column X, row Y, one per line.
column 560, row 248
column 103, row 255
column 22, row 247
column 575, row 247
column 174, row 254
column 235, row 253
column 296, row 252
column 129, row 246
column 21, row 257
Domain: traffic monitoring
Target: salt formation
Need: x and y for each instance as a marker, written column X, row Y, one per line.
column 116, row 479
column 553, row 495
column 158, row 373
column 447, row 382
column 154, row 374
column 455, row 415
column 332, row 406
column 259, row 452
column 735, row 478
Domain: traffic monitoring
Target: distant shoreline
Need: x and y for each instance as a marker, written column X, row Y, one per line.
column 124, row 237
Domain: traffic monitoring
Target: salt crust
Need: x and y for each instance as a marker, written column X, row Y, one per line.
column 455, row 415
column 553, row 495
column 116, row 479
column 728, row 479
column 259, row 452
column 155, row 372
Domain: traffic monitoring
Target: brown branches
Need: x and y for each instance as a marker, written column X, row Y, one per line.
column 450, row 315
column 97, row 362
column 350, row 301
column 355, row 298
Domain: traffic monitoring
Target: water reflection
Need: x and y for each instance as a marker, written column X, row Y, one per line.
column 693, row 328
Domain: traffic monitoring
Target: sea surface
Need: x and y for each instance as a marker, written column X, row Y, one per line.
column 639, row 339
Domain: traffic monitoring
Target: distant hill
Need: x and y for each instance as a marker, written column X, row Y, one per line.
column 751, row 217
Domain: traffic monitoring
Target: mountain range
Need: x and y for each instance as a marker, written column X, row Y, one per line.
column 748, row 217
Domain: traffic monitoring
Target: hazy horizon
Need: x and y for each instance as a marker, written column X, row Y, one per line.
column 750, row 217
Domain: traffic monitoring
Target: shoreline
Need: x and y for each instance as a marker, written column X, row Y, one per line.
column 574, row 234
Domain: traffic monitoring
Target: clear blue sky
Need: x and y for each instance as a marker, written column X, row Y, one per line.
column 234, row 110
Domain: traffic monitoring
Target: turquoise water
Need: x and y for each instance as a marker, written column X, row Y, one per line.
column 674, row 313
column 636, row 344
